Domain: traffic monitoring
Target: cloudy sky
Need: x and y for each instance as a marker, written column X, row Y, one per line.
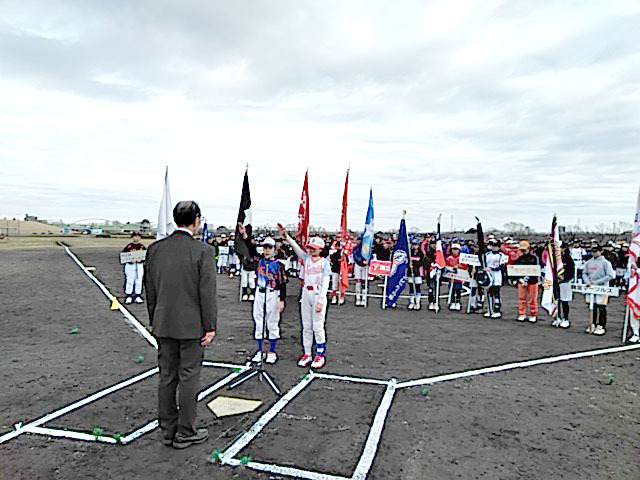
column 509, row 110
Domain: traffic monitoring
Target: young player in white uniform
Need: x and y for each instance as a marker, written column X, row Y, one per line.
column 495, row 260
column 223, row 254
column 313, row 301
column 360, row 274
column 133, row 272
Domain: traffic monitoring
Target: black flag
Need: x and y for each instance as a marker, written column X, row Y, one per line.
column 244, row 218
column 481, row 275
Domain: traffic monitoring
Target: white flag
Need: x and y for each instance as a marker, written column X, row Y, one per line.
column 165, row 215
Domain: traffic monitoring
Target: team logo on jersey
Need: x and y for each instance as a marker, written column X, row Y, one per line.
column 399, row 258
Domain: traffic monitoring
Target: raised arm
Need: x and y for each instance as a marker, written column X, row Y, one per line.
column 296, row 248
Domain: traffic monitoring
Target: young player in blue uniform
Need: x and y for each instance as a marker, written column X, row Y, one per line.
column 271, row 289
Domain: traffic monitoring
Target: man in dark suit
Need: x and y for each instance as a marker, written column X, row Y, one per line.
column 180, row 281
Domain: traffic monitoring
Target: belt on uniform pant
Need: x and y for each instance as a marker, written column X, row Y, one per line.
column 265, row 290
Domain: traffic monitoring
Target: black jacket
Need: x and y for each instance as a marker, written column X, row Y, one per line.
column 180, row 280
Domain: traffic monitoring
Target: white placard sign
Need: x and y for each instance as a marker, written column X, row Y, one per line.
column 523, row 270
column 469, row 259
column 595, row 289
column 130, row 257
column 223, row 250
column 459, row 275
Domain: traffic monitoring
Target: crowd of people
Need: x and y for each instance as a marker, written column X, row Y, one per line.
column 585, row 261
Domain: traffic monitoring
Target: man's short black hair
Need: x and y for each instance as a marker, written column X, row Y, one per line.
column 185, row 213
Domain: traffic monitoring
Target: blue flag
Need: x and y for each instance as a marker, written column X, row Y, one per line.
column 400, row 260
column 206, row 234
column 367, row 236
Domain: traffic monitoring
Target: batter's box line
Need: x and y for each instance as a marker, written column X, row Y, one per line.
column 512, row 366
column 135, row 323
column 371, row 445
column 35, row 426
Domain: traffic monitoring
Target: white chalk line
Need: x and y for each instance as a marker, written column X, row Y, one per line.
column 207, row 363
column 132, row 320
column 20, row 429
column 511, row 366
column 151, row 426
column 87, row 437
column 345, row 378
column 282, row 470
column 371, row 446
column 269, row 415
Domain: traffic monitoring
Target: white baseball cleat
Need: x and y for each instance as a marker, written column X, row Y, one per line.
column 556, row 322
column 258, row 357
column 565, row 324
column 251, row 297
column 128, row 300
column 318, row 361
column 634, row 339
column 245, row 298
column 139, row 299
column 305, row 360
column 496, row 315
column 522, row 318
column 599, row 330
column 271, row 358
column 533, row 319
column 334, row 300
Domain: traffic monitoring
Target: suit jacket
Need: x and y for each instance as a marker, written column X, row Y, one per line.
column 180, row 281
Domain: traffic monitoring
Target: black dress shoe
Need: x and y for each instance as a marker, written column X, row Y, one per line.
column 180, row 441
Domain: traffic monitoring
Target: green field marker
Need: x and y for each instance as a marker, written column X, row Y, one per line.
column 214, row 457
column 97, row 431
column 612, row 378
column 425, row 392
column 245, row 460
column 140, row 359
column 74, row 330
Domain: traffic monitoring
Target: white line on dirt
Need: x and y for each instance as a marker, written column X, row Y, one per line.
column 151, row 426
column 371, row 446
column 352, row 379
column 207, row 363
column 20, row 429
column 52, row 432
column 218, row 385
column 511, row 366
column 282, row 470
column 269, row 415
column 130, row 437
column 132, row 320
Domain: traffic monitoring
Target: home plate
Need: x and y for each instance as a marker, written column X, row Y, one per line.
column 225, row 406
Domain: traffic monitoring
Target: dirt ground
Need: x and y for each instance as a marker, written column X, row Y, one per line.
column 569, row 420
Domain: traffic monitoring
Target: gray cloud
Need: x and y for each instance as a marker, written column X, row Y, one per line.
column 507, row 112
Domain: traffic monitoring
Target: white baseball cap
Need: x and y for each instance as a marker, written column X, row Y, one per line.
column 316, row 242
column 269, row 242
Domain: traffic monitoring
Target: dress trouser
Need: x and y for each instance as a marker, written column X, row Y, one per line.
column 180, row 362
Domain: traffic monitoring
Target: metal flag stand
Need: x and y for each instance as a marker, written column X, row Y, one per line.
column 258, row 368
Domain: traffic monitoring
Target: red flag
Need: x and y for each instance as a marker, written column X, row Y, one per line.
column 303, row 214
column 633, row 295
column 344, row 236
column 440, row 262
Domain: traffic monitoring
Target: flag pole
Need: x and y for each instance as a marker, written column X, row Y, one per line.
column 438, row 272
column 626, row 323
column 412, row 286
